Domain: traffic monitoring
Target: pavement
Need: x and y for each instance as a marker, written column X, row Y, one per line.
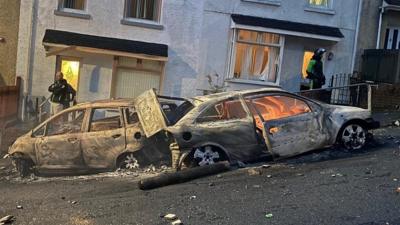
column 330, row 186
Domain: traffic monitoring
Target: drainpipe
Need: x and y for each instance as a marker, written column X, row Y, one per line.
column 30, row 58
column 378, row 36
column 360, row 5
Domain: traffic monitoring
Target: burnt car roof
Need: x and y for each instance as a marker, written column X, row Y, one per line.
column 232, row 93
column 108, row 103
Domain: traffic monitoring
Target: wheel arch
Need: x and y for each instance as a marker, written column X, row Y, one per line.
column 185, row 156
column 358, row 121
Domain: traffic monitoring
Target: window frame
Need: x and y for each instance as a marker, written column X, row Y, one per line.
column 233, row 52
column 252, row 96
column 266, row 2
column 70, row 10
column 46, row 128
column 91, row 113
column 214, row 103
column 155, row 24
column 330, row 5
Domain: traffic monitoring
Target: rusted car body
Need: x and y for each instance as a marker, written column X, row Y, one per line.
column 233, row 126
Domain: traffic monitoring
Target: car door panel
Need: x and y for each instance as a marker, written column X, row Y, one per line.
column 104, row 139
column 294, row 135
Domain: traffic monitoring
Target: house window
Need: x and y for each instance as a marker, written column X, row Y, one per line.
column 257, row 56
column 72, row 5
column 143, row 9
column 392, row 38
column 325, row 4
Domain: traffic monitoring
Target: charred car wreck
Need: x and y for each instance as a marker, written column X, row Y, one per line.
column 231, row 126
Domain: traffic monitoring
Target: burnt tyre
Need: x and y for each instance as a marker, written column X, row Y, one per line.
column 206, row 155
column 354, row 136
column 24, row 167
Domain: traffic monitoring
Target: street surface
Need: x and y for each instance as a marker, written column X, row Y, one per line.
column 324, row 187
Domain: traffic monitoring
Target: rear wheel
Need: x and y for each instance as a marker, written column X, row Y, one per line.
column 206, row 155
column 128, row 161
column 353, row 136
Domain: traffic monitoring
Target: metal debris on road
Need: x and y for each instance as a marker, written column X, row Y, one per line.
column 396, row 123
column 169, row 216
column 269, row 215
column 19, row 207
column 6, row 156
column 254, row 172
column 211, row 184
column 269, row 176
column 265, row 166
column 177, row 222
column 193, row 197
column 7, row 220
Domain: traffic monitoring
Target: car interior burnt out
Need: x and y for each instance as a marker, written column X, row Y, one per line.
column 174, row 109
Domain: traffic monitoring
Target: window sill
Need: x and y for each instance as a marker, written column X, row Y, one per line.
column 266, row 2
column 72, row 14
column 142, row 23
column 255, row 82
column 320, row 10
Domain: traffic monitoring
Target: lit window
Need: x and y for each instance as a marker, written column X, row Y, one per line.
column 72, row 5
column 306, row 60
column 143, row 9
column 320, row 3
column 257, row 56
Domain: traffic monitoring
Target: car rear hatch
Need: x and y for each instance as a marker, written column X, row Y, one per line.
column 150, row 113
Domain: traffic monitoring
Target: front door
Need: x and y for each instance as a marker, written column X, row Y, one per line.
column 226, row 123
column 105, row 138
column 60, row 147
column 289, row 124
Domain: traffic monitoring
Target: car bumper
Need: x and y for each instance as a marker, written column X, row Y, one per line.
column 372, row 124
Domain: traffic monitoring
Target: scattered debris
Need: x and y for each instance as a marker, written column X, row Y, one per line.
column 256, row 186
column 395, row 179
column 333, row 175
column 73, row 202
column 2, row 168
column 269, row 176
column 19, row 207
column 169, row 216
column 396, row 123
column 63, row 198
column 193, row 197
column 6, row 156
column 211, row 184
column 368, row 172
column 7, row 220
column 177, row 222
column 219, row 176
column 398, row 190
column 300, row 175
column 269, row 215
column 265, row 166
column 254, row 171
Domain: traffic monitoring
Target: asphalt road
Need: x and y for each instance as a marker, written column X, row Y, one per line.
column 327, row 187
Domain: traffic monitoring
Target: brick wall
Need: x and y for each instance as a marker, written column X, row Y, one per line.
column 386, row 97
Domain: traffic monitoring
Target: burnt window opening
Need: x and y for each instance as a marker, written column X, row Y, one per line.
column 103, row 119
column 231, row 109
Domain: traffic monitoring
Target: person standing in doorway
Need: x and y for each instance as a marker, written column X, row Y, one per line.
column 60, row 94
column 315, row 69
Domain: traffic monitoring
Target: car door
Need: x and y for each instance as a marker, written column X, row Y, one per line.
column 227, row 124
column 104, row 139
column 288, row 123
column 60, row 147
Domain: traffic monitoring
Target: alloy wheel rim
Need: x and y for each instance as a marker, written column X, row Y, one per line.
column 131, row 162
column 206, row 156
column 354, row 137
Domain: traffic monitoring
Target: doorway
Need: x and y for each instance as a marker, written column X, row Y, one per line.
column 70, row 67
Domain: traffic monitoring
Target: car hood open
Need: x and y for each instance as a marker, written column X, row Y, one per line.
column 150, row 114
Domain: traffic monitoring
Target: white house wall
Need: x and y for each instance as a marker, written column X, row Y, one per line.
column 198, row 35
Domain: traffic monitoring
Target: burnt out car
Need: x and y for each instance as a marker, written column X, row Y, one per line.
column 246, row 125
column 231, row 126
column 89, row 137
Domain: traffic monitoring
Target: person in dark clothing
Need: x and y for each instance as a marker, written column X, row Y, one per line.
column 315, row 69
column 61, row 94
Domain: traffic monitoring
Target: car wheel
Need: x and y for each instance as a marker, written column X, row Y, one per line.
column 129, row 161
column 354, row 136
column 23, row 167
column 206, row 155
